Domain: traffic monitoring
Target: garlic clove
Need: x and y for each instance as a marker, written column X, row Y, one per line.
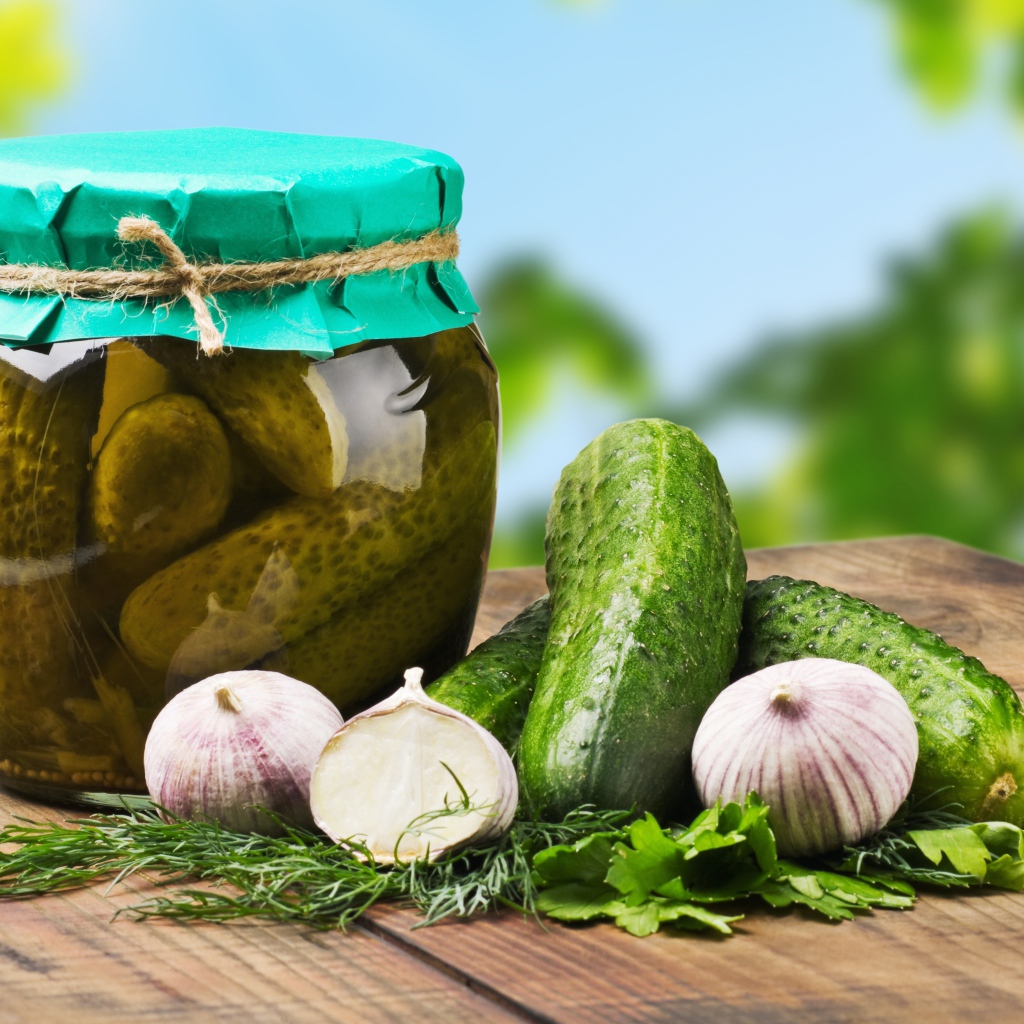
column 386, row 778
column 238, row 741
column 829, row 746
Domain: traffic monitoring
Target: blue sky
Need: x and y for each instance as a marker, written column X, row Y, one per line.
column 713, row 170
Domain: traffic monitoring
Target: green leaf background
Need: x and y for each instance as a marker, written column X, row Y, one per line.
column 909, row 418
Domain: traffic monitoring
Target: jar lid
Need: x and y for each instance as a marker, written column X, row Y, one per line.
column 228, row 196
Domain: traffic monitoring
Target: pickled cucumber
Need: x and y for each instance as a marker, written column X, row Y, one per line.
column 45, row 432
column 36, row 657
column 162, row 480
column 342, row 549
column 443, row 391
column 277, row 402
column 370, row 644
column 457, row 394
column 250, row 479
column 45, row 429
column 228, row 640
column 389, row 559
column 130, row 377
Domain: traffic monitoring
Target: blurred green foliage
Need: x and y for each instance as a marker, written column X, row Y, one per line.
column 546, row 335
column 32, row 66
column 520, row 542
column 549, row 338
column 945, row 45
column 910, row 419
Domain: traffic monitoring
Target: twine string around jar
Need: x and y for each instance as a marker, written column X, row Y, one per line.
column 179, row 278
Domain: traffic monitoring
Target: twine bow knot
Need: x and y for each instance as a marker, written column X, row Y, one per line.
column 178, row 277
column 142, row 229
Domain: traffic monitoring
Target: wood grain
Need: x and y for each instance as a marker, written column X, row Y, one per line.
column 63, row 958
column 506, row 593
column 953, row 958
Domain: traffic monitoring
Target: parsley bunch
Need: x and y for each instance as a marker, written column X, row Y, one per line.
column 645, row 876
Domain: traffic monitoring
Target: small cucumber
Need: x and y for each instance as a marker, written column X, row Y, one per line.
column 970, row 723
column 493, row 684
column 646, row 575
column 162, row 480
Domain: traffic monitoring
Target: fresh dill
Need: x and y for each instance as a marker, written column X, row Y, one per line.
column 592, row 864
column 893, row 851
column 299, row 876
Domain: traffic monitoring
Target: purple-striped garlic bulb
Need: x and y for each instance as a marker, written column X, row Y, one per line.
column 830, row 747
column 410, row 779
column 236, row 742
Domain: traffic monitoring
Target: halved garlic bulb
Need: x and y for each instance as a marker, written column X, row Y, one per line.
column 829, row 746
column 238, row 741
column 412, row 779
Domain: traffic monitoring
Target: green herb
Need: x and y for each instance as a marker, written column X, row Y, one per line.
column 593, row 865
column 944, row 849
column 655, row 876
column 297, row 877
column 649, row 876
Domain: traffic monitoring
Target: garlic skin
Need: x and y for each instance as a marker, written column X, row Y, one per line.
column 392, row 764
column 235, row 740
column 830, row 747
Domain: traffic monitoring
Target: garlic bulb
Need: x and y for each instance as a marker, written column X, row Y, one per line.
column 830, row 747
column 385, row 775
column 237, row 740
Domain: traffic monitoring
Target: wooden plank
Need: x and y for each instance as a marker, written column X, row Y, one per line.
column 506, row 593
column 952, row 958
column 948, row 960
column 63, row 958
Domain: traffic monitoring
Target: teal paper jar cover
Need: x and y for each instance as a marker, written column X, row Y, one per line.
column 227, row 195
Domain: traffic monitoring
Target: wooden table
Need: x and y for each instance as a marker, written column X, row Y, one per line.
column 952, row 958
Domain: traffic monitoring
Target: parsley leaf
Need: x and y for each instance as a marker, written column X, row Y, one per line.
column 962, row 847
column 645, row 876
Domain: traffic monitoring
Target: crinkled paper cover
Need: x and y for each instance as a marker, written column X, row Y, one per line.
column 228, row 194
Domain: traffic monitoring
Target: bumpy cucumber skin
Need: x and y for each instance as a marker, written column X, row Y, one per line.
column 369, row 645
column 276, row 402
column 342, row 549
column 45, row 432
column 970, row 723
column 162, row 480
column 493, row 685
column 646, row 575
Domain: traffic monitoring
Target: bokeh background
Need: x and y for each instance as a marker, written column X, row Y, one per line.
column 791, row 225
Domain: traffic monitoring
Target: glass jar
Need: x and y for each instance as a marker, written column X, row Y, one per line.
column 147, row 544
column 315, row 498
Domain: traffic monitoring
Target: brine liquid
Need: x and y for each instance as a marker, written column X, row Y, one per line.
column 165, row 517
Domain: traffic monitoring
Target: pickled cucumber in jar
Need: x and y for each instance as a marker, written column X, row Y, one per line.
column 244, row 472
column 170, row 573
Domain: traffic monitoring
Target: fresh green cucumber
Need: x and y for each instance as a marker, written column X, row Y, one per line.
column 970, row 723
column 493, row 684
column 646, row 575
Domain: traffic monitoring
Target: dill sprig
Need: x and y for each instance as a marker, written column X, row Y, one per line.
column 298, row 876
column 892, row 853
